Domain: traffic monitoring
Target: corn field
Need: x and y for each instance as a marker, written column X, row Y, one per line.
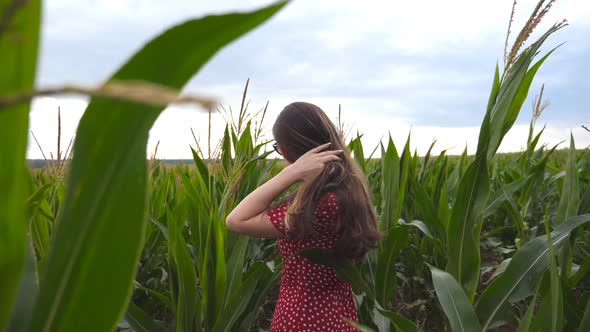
column 107, row 241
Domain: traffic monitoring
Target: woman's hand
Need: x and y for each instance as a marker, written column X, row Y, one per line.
column 249, row 217
column 310, row 165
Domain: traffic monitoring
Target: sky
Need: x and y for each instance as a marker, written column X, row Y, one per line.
column 392, row 66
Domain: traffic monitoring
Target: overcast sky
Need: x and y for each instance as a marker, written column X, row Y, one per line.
column 392, row 65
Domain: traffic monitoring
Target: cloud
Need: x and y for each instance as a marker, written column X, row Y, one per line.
column 392, row 65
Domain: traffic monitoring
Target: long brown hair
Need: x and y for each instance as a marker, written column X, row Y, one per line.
column 299, row 128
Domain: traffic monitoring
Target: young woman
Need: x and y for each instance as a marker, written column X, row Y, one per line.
column 331, row 208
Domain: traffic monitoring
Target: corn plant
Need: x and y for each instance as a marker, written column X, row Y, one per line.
column 20, row 64
column 468, row 190
column 471, row 242
column 98, row 234
column 528, row 264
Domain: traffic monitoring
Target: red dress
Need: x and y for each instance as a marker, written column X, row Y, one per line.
column 311, row 296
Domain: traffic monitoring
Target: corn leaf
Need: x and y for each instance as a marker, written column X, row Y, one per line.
column 390, row 186
column 268, row 281
column 100, row 230
column 525, row 323
column 454, row 301
column 549, row 316
column 569, row 204
column 183, row 278
column 235, row 267
column 401, row 323
column 385, row 272
column 27, row 295
column 503, row 107
column 523, row 272
column 463, row 241
column 140, row 321
column 360, row 327
column 393, row 188
column 19, row 42
column 356, row 147
column 585, row 324
column 512, row 93
column 427, row 210
column 238, row 301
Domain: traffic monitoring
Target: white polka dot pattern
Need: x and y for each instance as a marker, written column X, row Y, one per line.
column 311, row 297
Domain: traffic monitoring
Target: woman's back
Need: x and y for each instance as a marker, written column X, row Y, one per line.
column 311, row 296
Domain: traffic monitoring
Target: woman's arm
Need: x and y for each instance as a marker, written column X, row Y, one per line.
column 249, row 216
